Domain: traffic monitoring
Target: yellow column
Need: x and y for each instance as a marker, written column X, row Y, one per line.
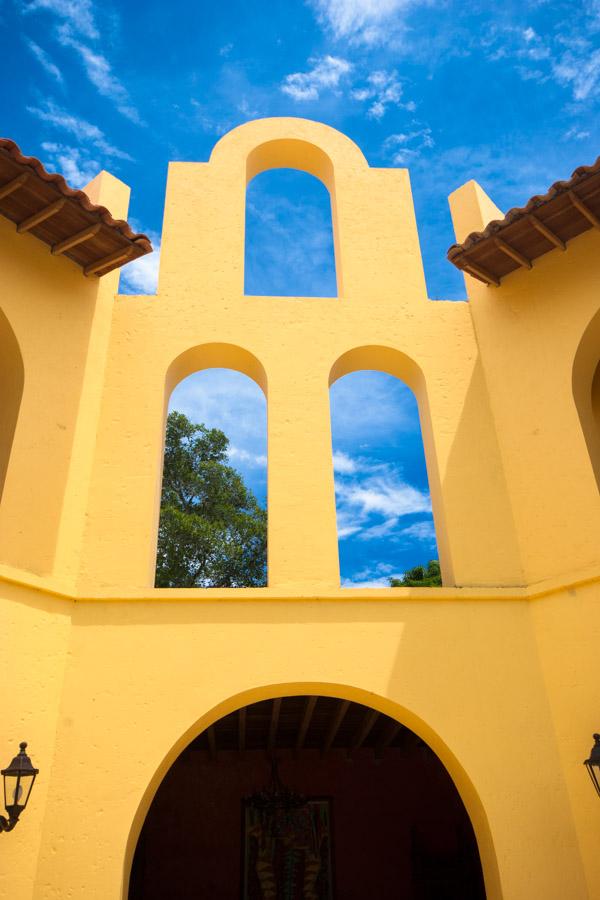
column 302, row 523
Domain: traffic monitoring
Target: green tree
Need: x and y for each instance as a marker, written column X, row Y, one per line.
column 212, row 531
column 420, row 576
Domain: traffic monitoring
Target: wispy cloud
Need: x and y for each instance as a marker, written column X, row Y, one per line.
column 325, row 74
column 372, row 498
column 382, row 89
column 343, row 463
column 580, row 70
column 45, row 61
column 141, row 275
column 84, row 131
column 576, row 134
column 77, row 166
column 403, row 148
column 239, row 455
column 99, row 71
column 377, row 576
column 79, row 14
column 367, row 22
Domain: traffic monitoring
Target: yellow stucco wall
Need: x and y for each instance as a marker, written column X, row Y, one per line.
column 109, row 677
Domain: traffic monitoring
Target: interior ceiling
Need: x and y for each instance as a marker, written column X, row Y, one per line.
column 305, row 723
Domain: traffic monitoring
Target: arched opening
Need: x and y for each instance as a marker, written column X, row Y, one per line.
column 386, row 531
column 586, row 390
column 289, row 248
column 212, row 529
column 307, row 797
column 12, row 377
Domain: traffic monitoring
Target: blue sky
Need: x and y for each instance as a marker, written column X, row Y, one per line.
column 505, row 93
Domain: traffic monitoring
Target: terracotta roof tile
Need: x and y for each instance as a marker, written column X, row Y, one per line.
column 548, row 221
column 32, row 199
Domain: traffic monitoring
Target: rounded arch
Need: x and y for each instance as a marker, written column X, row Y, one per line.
column 382, row 359
column 401, row 714
column 586, row 389
column 215, row 356
column 12, row 379
column 287, row 142
column 394, row 362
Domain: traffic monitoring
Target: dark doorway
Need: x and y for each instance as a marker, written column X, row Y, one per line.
column 383, row 817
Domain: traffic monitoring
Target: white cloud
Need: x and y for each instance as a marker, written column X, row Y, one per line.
column 45, row 61
column 385, row 494
column 326, row 74
column 372, row 498
column 74, row 164
column 77, row 13
column 581, row 72
column 422, row 531
column 141, row 275
column 99, row 72
column 382, row 90
column 84, row 131
column 404, row 147
column 377, row 576
column 343, row 463
column 575, row 134
column 238, row 454
column 363, row 21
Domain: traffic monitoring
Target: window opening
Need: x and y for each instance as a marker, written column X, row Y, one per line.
column 213, row 520
column 385, row 523
column 289, row 236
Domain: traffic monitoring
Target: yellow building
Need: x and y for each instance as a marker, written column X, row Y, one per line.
column 493, row 677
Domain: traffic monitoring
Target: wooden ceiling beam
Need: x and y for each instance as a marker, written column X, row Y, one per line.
column 41, row 216
column 342, row 709
column 78, row 238
column 309, row 709
column 547, row 232
column 479, row 272
column 110, row 260
column 242, row 715
column 276, row 709
column 11, row 186
column 369, row 719
column 514, row 254
column 388, row 738
column 584, row 209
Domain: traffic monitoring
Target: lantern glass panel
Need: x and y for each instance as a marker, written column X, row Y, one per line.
column 594, row 775
column 12, row 790
column 25, row 785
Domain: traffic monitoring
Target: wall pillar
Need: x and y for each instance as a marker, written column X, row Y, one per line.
column 302, row 520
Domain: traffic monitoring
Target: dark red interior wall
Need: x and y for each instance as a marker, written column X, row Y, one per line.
column 191, row 842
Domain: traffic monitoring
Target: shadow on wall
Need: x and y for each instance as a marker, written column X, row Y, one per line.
column 12, row 378
column 586, row 390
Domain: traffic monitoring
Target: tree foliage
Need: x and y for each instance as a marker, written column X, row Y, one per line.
column 420, row 576
column 212, row 531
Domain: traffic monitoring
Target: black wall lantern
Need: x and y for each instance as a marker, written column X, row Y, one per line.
column 593, row 763
column 18, row 781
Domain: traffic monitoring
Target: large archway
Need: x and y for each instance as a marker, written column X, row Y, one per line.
column 307, row 796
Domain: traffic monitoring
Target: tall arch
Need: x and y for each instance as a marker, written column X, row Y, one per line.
column 341, row 692
column 12, row 379
column 179, row 556
column 289, row 246
column 586, row 390
column 400, row 365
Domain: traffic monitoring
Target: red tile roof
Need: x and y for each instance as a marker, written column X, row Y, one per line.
column 545, row 223
column 42, row 203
